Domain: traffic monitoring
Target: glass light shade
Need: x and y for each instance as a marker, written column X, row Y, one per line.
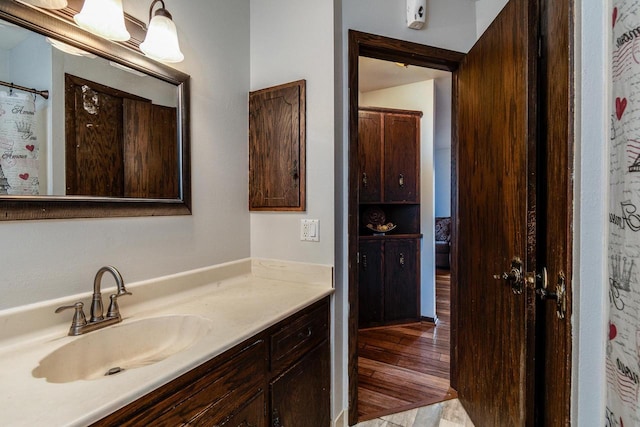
column 63, row 47
column 47, row 4
column 104, row 18
column 161, row 42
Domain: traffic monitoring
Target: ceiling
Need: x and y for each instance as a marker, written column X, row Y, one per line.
column 375, row 74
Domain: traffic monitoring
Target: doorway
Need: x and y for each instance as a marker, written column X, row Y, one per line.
column 404, row 354
column 514, row 186
column 372, row 46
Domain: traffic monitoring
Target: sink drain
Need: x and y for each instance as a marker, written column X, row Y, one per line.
column 113, row 371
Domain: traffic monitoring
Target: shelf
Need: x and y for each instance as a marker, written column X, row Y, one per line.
column 390, row 236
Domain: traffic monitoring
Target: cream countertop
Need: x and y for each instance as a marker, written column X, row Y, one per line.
column 240, row 298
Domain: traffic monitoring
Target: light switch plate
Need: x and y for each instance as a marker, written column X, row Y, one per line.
column 310, row 230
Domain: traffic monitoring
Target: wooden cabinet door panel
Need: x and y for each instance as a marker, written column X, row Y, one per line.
column 370, row 284
column 401, row 158
column 277, row 148
column 402, row 273
column 370, row 155
column 250, row 415
column 300, row 396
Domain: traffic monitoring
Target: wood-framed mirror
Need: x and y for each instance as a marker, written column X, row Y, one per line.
column 149, row 181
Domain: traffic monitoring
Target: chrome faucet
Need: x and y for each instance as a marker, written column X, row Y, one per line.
column 79, row 324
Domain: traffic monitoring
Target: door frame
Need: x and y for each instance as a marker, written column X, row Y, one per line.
column 388, row 49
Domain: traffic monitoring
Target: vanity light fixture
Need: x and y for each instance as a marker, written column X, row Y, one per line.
column 161, row 42
column 104, row 18
column 47, row 4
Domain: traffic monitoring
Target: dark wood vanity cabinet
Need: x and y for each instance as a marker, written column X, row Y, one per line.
column 278, row 378
column 389, row 155
column 389, row 280
column 300, row 371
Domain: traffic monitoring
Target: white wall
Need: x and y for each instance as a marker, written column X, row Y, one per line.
column 442, row 147
column 293, row 40
column 486, row 11
column 420, row 97
column 40, row 260
column 590, row 284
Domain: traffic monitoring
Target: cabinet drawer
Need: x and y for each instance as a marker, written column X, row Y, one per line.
column 298, row 336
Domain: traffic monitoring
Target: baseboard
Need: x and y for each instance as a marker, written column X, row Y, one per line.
column 429, row 319
column 341, row 421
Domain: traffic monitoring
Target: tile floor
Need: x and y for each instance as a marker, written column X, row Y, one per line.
column 449, row 413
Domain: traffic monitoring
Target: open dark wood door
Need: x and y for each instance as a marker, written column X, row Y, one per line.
column 496, row 221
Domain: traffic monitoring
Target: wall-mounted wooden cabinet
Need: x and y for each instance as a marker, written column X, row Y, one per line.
column 277, row 148
column 279, row 377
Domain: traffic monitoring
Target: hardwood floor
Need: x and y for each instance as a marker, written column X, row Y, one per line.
column 406, row 366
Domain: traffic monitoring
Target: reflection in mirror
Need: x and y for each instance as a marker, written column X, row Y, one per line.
column 114, row 128
column 102, row 145
column 118, row 144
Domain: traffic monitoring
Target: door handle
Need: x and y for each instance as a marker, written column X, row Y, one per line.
column 540, row 282
column 365, row 180
column 514, row 276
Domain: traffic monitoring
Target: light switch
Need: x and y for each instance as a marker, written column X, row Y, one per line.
column 309, row 230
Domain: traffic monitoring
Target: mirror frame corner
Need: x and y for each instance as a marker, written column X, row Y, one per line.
column 14, row 208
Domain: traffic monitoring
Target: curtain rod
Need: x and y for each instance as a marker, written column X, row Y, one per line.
column 42, row 93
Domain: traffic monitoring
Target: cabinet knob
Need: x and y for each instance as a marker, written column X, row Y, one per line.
column 365, row 181
column 401, row 180
column 294, row 173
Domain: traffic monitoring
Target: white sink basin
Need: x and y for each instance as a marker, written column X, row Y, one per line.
column 122, row 347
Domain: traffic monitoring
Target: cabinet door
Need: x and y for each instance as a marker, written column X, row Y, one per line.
column 370, row 284
column 401, row 158
column 251, row 415
column 277, row 144
column 402, row 279
column 300, row 396
column 370, row 156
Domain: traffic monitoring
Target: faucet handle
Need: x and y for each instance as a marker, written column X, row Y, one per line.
column 114, row 310
column 79, row 319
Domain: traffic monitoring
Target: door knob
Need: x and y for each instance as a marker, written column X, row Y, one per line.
column 540, row 282
column 514, row 276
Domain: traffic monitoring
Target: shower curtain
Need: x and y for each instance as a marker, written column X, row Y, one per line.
column 19, row 148
column 623, row 346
